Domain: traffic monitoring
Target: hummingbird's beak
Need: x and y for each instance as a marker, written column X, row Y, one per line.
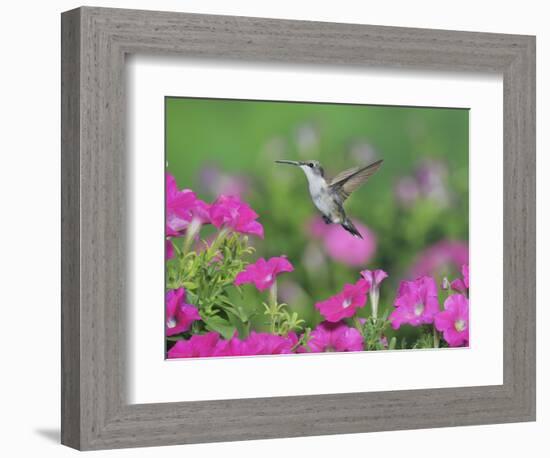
column 282, row 161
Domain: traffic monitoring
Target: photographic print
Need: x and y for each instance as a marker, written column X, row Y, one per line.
column 299, row 228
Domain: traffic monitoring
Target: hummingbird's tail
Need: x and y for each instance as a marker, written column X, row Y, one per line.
column 348, row 226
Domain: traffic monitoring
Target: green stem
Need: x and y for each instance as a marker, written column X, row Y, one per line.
column 357, row 324
column 191, row 232
column 176, row 248
column 374, row 296
column 273, row 305
column 436, row 337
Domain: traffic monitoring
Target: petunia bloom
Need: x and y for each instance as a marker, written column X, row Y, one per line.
column 374, row 277
column 335, row 337
column 262, row 343
column 182, row 207
column 461, row 285
column 290, row 292
column 431, row 176
column 416, row 303
column 345, row 303
column 342, row 246
column 428, row 182
column 210, row 344
column 263, row 273
column 198, row 346
column 231, row 347
column 216, row 182
column 363, row 152
column 169, row 249
column 453, row 322
column 406, row 191
column 179, row 315
column 231, row 212
column 441, row 257
column 466, row 274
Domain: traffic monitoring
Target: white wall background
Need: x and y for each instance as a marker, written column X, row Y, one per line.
column 29, row 232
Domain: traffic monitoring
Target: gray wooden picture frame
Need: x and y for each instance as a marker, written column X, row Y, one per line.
column 95, row 412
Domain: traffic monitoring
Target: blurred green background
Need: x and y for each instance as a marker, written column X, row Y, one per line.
column 415, row 207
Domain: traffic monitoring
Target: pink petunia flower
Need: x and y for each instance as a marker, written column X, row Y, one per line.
column 345, row 303
column 217, row 182
column 341, row 246
column 257, row 343
column 198, row 346
column 441, row 256
column 466, row 274
column 169, row 249
column 428, row 182
column 316, row 227
column 290, row 292
column 182, row 207
column 431, row 176
column 231, row 212
column 231, row 347
column 461, row 285
column 374, row 277
column 179, row 315
column 363, row 152
column 351, row 251
column 453, row 322
column 335, row 337
column 210, row 344
column 262, row 343
column 416, row 303
column 406, row 191
column 263, row 273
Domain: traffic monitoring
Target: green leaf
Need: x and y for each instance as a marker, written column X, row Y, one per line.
column 190, row 285
column 242, row 327
column 175, row 338
column 219, row 325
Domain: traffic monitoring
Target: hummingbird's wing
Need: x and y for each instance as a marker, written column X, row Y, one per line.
column 349, row 180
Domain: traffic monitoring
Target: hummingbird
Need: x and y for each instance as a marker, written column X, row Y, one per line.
column 328, row 195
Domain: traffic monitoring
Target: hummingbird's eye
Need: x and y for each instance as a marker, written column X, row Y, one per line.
column 311, row 164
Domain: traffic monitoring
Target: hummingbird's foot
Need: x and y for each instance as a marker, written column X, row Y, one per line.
column 326, row 219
